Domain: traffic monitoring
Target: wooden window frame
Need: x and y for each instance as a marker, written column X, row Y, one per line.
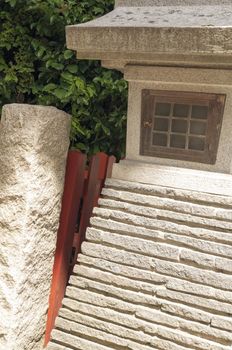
column 215, row 103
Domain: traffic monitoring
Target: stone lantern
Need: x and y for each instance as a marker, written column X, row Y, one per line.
column 177, row 57
column 155, row 271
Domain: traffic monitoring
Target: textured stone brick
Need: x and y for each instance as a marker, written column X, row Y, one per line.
column 186, row 312
column 193, row 274
column 117, row 255
column 123, row 294
column 122, row 270
column 54, row 346
column 222, row 323
column 154, row 274
column 114, row 280
column 136, row 245
column 161, row 228
column 204, row 291
column 210, row 305
column 75, row 341
column 155, row 213
column 98, row 299
column 207, row 261
column 137, row 220
column 173, row 204
column 167, row 192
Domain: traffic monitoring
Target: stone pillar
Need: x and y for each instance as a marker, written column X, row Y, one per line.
column 34, row 142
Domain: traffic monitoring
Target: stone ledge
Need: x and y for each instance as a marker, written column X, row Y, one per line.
column 141, row 34
column 173, row 177
column 135, row 3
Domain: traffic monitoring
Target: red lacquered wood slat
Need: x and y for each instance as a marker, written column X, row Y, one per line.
column 73, row 189
column 81, row 192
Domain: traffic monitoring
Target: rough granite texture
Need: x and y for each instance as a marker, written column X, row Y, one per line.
column 135, row 3
column 154, row 274
column 34, row 141
column 166, row 17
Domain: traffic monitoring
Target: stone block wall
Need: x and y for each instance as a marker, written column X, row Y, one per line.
column 154, row 274
column 34, row 141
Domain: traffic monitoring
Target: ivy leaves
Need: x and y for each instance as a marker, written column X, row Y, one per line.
column 36, row 67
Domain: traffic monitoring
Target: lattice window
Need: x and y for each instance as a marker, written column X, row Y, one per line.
column 181, row 125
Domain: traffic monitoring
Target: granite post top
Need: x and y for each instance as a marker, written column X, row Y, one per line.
column 154, row 31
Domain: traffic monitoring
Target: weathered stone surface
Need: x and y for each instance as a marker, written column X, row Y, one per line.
column 222, row 323
column 172, row 203
column 187, row 196
column 54, row 346
column 118, row 256
column 168, row 174
column 161, row 229
column 75, row 342
column 186, row 312
column 146, row 320
column 124, row 294
column 121, row 270
column 204, row 291
column 160, row 223
column 165, row 214
column 106, row 314
column 207, row 261
column 98, row 299
column 141, row 3
column 195, row 33
column 34, row 141
column 189, row 273
column 155, row 273
column 195, row 301
column 111, row 279
column 134, row 244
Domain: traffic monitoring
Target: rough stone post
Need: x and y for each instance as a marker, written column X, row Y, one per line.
column 34, row 142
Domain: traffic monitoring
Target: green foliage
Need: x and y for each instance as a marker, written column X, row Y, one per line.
column 36, row 67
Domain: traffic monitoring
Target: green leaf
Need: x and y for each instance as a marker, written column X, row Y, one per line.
column 60, row 93
column 80, row 84
column 52, row 19
column 91, row 91
column 68, row 54
column 40, row 52
column 72, row 68
column 81, row 146
column 12, row 2
column 105, row 129
column 3, row 64
column 67, row 76
column 11, row 78
column 57, row 66
column 49, row 87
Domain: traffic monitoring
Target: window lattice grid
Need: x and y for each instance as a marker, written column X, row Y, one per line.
column 181, row 126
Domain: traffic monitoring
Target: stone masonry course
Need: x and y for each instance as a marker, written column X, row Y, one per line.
column 154, row 273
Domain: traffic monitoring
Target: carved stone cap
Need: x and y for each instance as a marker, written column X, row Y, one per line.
column 154, row 34
column 135, row 3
